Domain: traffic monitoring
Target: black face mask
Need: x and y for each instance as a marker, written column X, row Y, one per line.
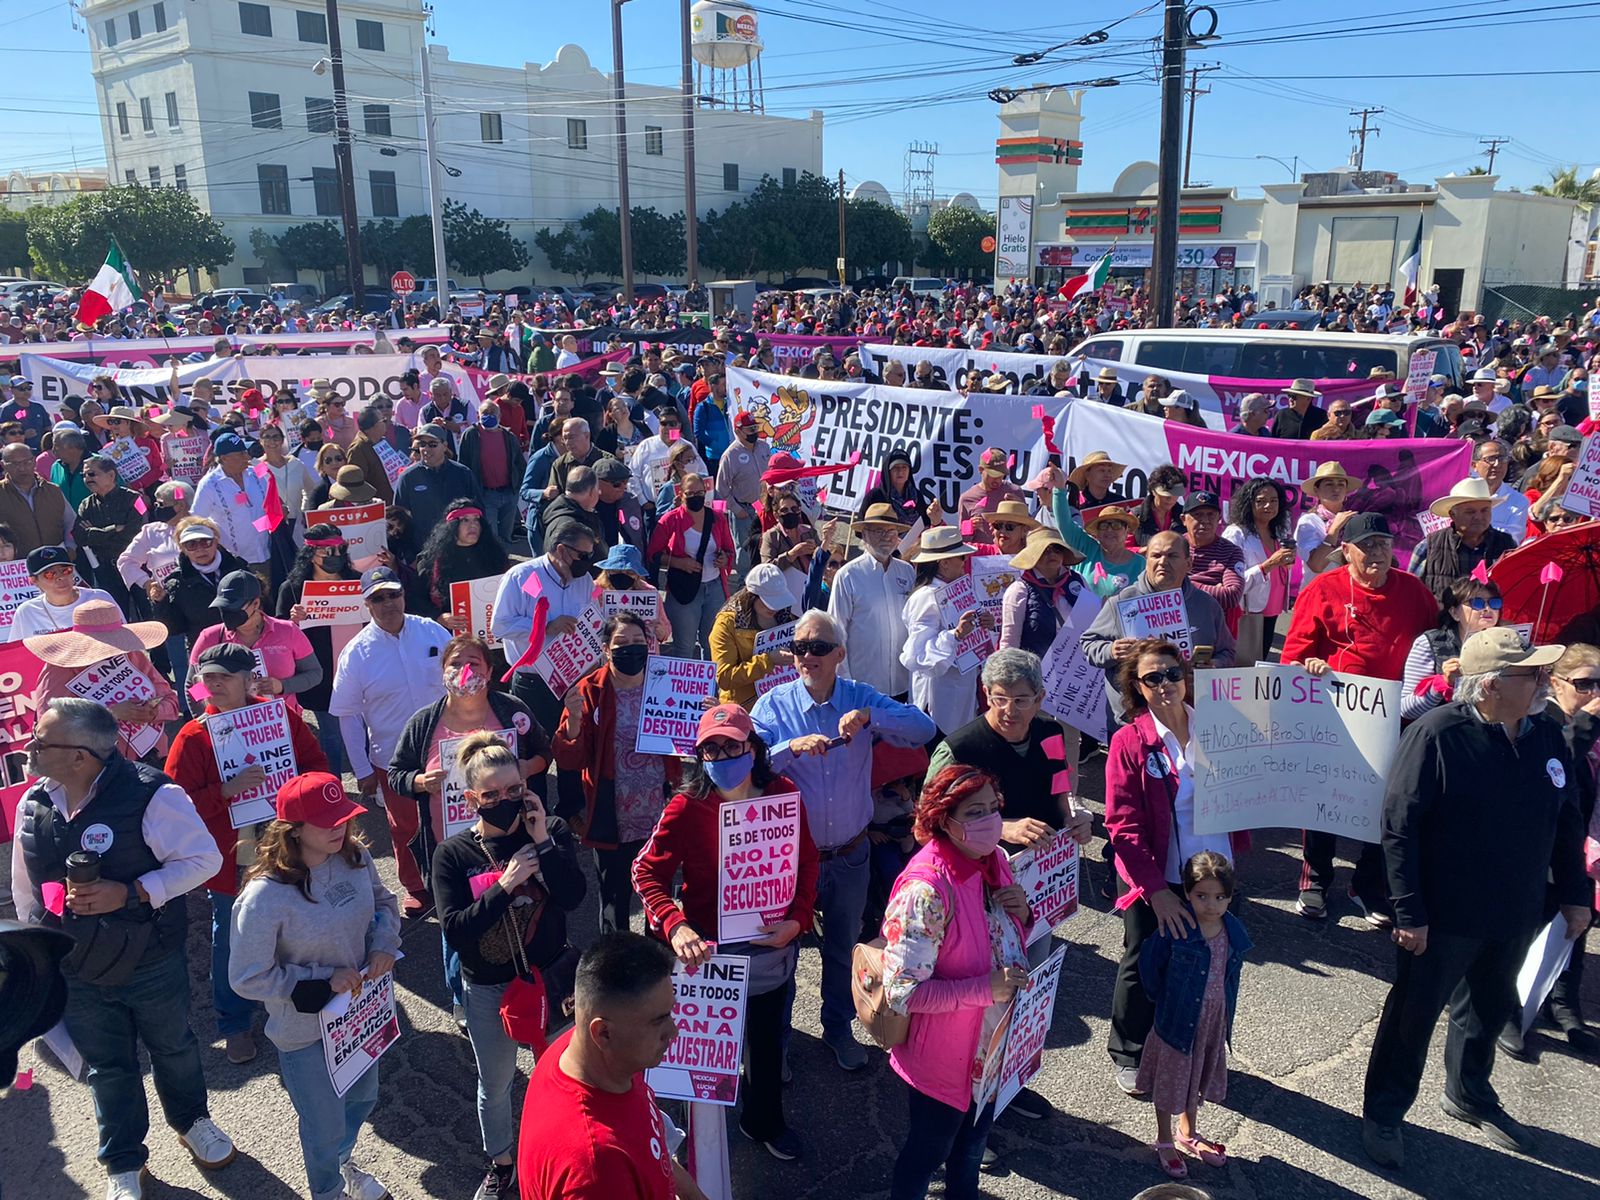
column 580, row 564
column 164, row 512
column 629, row 660
column 310, row 445
column 502, row 814
column 233, row 618
column 789, row 520
column 694, row 503
column 335, row 561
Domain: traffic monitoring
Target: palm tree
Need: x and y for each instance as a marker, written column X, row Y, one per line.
column 1565, row 184
column 1478, row 170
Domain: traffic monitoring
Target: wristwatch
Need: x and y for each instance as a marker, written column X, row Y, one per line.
column 133, row 897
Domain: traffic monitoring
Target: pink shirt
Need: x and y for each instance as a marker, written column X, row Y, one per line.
column 281, row 644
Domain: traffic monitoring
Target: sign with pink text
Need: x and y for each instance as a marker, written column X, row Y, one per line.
column 758, row 863
column 709, row 1003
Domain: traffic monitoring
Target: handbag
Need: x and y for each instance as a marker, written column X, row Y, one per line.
column 108, row 948
column 887, row 1027
column 684, row 586
column 526, row 1003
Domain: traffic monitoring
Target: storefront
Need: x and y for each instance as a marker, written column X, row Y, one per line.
column 1204, row 267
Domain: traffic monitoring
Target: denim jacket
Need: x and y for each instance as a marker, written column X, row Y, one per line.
column 1174, row 976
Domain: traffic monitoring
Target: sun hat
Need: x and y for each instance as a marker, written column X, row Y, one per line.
column 1114, row 513
column 174, row 418
column 942, row 541
column 98, row 632
column 1304, row 387
column 624, row 558
column 880, row 514
column 1472, row 490
column 1491, row 650
column 119, row 412
column 996, row 383
column 1095, row 458
column 351, row 485
column 1011, row 510
column 1040, row 540
column 1105, row 375
column 498, row 383
column 1330, row 470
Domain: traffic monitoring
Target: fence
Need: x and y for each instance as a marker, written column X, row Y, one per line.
column 1514, row 300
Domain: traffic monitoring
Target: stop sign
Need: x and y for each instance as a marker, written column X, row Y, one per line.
column 403, row 282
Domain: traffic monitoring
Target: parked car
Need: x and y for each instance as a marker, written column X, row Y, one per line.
column 799, row 283
column 872, row 283
column 428, row 291
column 374, row 300
column 599, row 291
column 226, row 299
column 294, row 293
column 559, row 294
column 649, row 291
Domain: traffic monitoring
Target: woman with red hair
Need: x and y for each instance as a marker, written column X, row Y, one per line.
column 955, row 953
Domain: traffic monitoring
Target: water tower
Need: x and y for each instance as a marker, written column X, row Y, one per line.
column 725, row 40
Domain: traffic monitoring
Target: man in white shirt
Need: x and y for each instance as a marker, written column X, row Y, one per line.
column 649, row 461
column 389, row 671
column 569, row 352
column 562, row 578
column 868, row 598
column 1490, row 461
column 52, row 572
column 235, row 497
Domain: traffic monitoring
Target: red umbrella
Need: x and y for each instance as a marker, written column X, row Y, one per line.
column 1552, row 581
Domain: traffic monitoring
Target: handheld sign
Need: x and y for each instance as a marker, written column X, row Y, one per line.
column 568, row 658
column 1158, row 614
column 1074, row 688
column 364, row 529
column 16, row 586
column 758, row 863
column 256, row 735
column 1031, row 1014
column 458, row 814
column 955, row 598
column 709, row 1003
column 1048, row 872
column 645, row 603
column 357, row 1030
column 333, row 602
column 1583, row 489
column 112, row 682
column 675, row 690
column 472, row 600
column 992, row 574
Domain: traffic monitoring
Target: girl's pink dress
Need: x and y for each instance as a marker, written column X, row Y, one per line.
column 1178, row 1083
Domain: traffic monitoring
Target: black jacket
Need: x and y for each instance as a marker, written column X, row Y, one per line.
column 471, row 454
column 187, row 607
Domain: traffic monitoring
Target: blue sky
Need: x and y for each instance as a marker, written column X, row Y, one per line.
column 886, row 72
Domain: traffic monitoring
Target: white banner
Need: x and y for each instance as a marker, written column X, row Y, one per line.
column 758, row 864
column 702, row 1064
column 961, row 369
column 54, row 379
column 155, row 352
column 356, row 1030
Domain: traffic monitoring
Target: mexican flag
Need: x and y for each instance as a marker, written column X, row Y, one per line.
column 111, row 290
column 1082, row 285
column 1412, row 266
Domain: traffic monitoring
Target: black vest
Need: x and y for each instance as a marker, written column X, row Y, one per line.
column 1040, row 619
column 1447, row 560
column 112, row 823
column 1024, row 778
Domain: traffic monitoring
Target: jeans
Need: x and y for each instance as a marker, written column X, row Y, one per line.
column 497, row 1067
column 178, row 659
column 234, row 1012
column 452, row 970
column 329, row 1123
column 331, row 741
column 500, row 512
column 940, row 1136
column 615, row 869
column 105, row 1023
column 743, row 527
column 842, row 897
column 691, row 622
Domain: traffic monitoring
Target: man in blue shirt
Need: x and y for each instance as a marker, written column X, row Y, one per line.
column 429, row 486
column 712, row 433
column 802, row 722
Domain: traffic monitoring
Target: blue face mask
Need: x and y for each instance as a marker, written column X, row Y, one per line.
column 728, row 773
column 489, row 420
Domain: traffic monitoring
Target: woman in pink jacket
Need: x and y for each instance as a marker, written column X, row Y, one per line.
column 955, row 952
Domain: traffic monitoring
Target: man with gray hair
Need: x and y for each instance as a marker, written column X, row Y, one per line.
column 580, row 452
column 125, row 844
column 1491, row 459
column 579, row 501
column 1481, row 808
column 1255, row 410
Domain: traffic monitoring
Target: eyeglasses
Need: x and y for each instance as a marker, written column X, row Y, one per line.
column 811, row 648
column 1479, row 603
column 1556, row 520
column 424, row 443
column 1337, row 413
column 517, row 791
column 1585, row 684
column 35, row 745
column 199, row 543
column 1156, row 678
column 1004, row 527
column 719, row 750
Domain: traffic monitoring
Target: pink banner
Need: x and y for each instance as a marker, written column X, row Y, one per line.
column 589, row 368
column 791, row 351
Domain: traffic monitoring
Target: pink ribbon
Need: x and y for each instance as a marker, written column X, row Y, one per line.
column 1481, row 572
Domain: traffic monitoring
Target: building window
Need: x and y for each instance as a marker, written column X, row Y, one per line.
column 132, row 177
column 274, row 184
column 319, row 114
column 369, row 35
column 256, row 19
column 788, row 177
column 312, row 26
column 266, row 111
column 489, row 128
column 577, row 134
column 122, row 118
column 158, row 15
column 652, row 139
column 376, row 119
column 180, row 177
column 325, row 185
column 111, row 31
column 730, row 177
column 147, row 118
column 172, row 110
column 133, row 26
column 385, row 196
column 155, row 176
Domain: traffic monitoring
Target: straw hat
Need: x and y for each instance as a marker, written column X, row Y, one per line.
column 1039, row 541
column 351, row 486
column 1330, row 470
column 1114, row 513
column 1011, row 510
column 1472, row 490
column 174, row 418
column 1094, row 458
column 98, row 632
column 320, row 388
column 1106, row 375
column 120, row 412
column 996, row 383
column 1303, row 387
column 881, row 514
column 942, row 541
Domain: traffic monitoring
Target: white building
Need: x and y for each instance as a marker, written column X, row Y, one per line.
column 220, row 99
column 20, row 191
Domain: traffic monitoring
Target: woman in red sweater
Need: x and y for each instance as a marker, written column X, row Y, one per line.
column 730, row 765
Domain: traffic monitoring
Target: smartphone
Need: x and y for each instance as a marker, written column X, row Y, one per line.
column 1201, row 656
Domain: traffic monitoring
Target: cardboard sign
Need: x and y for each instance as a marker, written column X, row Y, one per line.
column 1583, row 489
column 256, row 735
column 112, row 682
column 1158, row 614
column 566, row 659
column 1276, row 747
column 186, row 456
column 955, row 598
column 1431, row 523
column 1048, row 872
column 19, row 674
column 458, row 815
column 472, row 600
column 758, row 863
column 1031, row 1013
column 363, row 528
column 133, row 461
column 644, row 603
column 1074, row 688
column 709, row 1003
column 16, row 586
column 393, row 461
column 768, row 641
column 357, row 1030
column 992, row 574
column 675, row 690
column 1417, row 373
column 333, row 602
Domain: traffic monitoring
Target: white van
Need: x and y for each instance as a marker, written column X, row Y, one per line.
column 919, row 285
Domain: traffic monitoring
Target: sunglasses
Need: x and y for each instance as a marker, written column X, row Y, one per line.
column 1479, row 603
column 1006, row 527
column 1156, row 678
column 811, row 648
column 424, row 443
column 1582, row 684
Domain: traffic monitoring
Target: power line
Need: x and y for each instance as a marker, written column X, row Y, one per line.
column 1359, row 158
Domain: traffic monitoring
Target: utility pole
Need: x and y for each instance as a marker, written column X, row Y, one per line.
column 1194, row 92
column 345, row 160
column 691, row 223
column 1164, row 251
column 1362, row 133
column 624, row 213
column 441, row 270
column 1494, row 144
column 840, row 263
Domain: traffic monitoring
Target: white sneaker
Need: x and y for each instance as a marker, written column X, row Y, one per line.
column 126, row 1185
column 358, row 1185
column 210, row 1148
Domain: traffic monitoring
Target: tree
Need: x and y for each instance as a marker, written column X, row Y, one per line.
column 659, row 247
column 777, row 229
column 314, row 246
column 1564, row 183
column 1480, row 169
column 265, row 247
column 955, row 239
column 380, row 246
column 876, row 235
column 13, row 240
column 476, row 244
column 160, row 230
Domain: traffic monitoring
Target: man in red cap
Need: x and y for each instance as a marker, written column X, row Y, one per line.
column 992, row 487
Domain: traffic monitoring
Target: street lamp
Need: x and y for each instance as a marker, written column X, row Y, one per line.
column 1294, row 171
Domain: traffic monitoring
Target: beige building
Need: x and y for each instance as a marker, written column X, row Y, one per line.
column 19, row 190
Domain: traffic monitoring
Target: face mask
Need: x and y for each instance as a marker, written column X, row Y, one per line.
column 629, row 660
column 789, row 520
column 233, row 618
column 982, row 834
column 459, row 681
column 310, row 445
column 490, row 420
column 164, row 512
column 503, row 814
column 335, row 561
column 694, row 503
column 580, row 564
column 729, row 773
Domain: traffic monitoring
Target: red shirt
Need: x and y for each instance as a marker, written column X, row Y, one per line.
column 579, row 1143
column 1356, row 629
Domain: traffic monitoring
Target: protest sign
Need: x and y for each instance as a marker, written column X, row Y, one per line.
column 393, row 461
column 709, row 1003
column 356, row 1030
column 1031, row 1013
column 332, row 602
column 16, row 585
column 256, row 735
column 1546, row 959
column 19, row 674
column 1159, row 615
column 675, row 690
column 758, row 863
column 186, row 456
column 992, row 574
column 956, row 598
column 472, row 601
column 1583, row 489
column 56, row 378
column 1048, row 872
column 1417, row 373
column 644, row 603
column 769, row 641
column 568, row 658
column 1431, row 523
column 104, row 353
column 1276, row 747
column 458, row 815
column 115, row 681
column 132, row 460
column 364, row 529
column 1074, row 688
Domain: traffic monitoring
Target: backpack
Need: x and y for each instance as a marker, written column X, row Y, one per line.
column 887, row 1027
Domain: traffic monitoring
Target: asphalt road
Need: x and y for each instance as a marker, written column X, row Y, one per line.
column 1308, row 1009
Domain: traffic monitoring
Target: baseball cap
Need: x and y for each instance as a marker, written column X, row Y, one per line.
column 724, row 721
column 236, row 590
column 435, row 432
column 1495, row 649
column 1177, row 398
column 612, row 470
column 1567, row 434
column 993, row 460
column 45, row 557
column 1202, row 500
column 1363, row 526
column 1439, row 381
column 316, row 799
column 375, row 579
column 229, row 443
column 21, row 381
column 744, row 418
column 766, row 582
column 225, row 657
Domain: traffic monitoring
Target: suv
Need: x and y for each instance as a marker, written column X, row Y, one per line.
column 227, row 298
column 428, row 291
